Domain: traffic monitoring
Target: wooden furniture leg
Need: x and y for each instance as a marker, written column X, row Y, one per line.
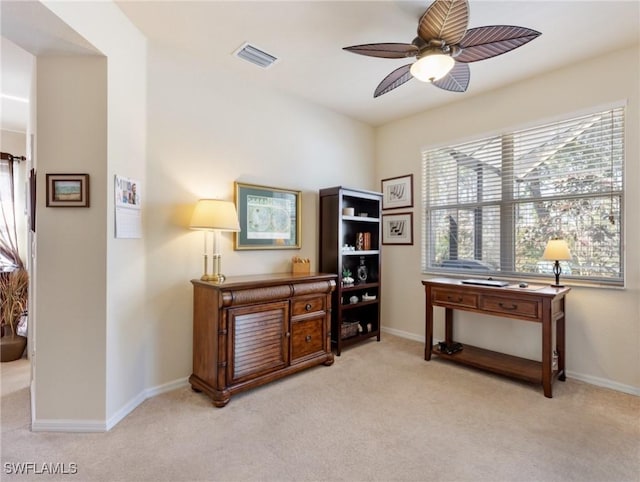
column 428, row 325
column 560, row 341
column 448, row 326
column 547, row 349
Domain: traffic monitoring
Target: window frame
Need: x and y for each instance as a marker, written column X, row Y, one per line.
column 507, row 205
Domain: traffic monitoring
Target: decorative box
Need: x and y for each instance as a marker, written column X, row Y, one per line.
column 300, row 266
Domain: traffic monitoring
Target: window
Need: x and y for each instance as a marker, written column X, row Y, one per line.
column 492, row 204
column 9, row 256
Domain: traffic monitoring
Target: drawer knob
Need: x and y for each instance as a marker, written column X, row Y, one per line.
column 307, row 306
column 308, row 338
column 510, row 307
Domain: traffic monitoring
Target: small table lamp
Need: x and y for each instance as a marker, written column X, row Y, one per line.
column 557, row 250
column 214, row 215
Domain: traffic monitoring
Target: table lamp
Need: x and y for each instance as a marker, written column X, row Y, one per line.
column 557, row 250
column 214, row 215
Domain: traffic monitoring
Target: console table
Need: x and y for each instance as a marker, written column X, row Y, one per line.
column 540, row 304
column 251, row 330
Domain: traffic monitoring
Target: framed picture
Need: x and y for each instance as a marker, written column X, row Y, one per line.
column 68, row 190
column 397, row 228
column 397, row 192
column 269, row 217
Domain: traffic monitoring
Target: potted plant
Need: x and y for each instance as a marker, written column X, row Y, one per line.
column 346, row 277
column 14, row 288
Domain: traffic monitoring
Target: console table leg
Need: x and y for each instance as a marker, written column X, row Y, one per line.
column 428, row 325
column 448, row 326
column 547, row 349
column 560, row 341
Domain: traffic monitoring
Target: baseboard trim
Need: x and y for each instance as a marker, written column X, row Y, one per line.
column 403, row 334
column 604, row 383
column 56, row 425
column 141, row 397
column 102, row 426
column 599, row 382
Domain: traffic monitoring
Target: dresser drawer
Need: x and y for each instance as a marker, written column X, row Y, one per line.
column 302, row 306
column 511, row 306
column 454, row 298
column 307, row 337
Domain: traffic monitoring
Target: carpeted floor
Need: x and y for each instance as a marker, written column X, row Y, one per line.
column 380, row 413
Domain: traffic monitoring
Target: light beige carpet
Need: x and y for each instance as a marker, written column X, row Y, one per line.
column 380, row 413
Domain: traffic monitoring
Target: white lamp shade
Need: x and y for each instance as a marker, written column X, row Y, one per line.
column 556, row 250
column 215, row 214
column 432, row 67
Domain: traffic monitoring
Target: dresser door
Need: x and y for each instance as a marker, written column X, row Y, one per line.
column 258, row 340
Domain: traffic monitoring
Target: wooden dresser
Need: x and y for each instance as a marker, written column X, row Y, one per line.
column 251, row 330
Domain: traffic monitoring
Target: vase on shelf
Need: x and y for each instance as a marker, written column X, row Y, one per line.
column 362, row 272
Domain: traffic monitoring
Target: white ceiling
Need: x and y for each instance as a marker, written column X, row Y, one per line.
column 17, row 65
column 308, row 36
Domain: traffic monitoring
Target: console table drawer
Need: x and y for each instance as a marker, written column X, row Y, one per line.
column 511, row 306
column 454, row 298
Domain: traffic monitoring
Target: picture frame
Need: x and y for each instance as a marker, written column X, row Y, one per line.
column 270, row 217
column 68, row 191
column 397, row 192
column 397, row 228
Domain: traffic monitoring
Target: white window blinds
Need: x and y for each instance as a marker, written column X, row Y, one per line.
column 492, row 204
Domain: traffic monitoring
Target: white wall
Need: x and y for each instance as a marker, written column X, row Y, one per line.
column 100, row 280
column 603, row 325
column 71, row 242
column 207, row 130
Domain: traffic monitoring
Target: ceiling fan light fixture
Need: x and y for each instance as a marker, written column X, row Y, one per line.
column 432, row 66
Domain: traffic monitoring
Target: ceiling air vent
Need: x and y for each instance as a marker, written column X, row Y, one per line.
column 254, row 55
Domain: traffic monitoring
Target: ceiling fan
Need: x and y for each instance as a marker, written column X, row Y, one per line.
column 444, row 47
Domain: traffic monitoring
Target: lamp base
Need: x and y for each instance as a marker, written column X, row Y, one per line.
column 213, row 278
column 556, row 286
column 217, row 278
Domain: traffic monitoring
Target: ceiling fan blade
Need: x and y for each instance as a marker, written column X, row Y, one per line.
column 393, row 80
column 485, row 42
column 385, row 50
column 445, row 20
column 457, row 80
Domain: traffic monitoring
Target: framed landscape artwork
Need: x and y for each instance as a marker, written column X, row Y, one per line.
column 269, row 217
column 68, row 190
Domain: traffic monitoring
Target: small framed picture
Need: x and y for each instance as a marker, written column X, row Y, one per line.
column 397, row 192
column 270, row 217
column 397, row 228
column 68, row 190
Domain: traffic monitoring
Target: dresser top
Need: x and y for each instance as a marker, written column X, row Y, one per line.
column 272, row 279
